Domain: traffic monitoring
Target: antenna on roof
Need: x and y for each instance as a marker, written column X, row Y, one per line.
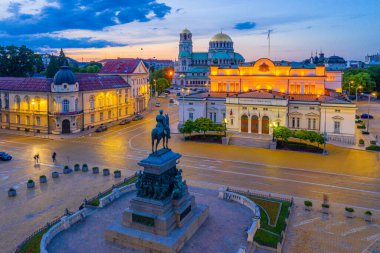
column 268, row 38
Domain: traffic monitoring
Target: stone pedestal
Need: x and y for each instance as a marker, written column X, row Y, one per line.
column 163, row 215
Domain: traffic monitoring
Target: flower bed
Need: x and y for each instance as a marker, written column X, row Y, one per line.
column 298, row 146
column 209, row 138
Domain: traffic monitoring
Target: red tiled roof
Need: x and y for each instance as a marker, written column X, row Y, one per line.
column 25, row 84
column 119, row 66
column 88, row 82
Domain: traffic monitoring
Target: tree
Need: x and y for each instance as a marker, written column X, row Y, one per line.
column 283, row 133
column 166, row 73
column 354, row 78
column 203, row 125
column 17, row 61
column 53, row 67
column 162, row 84
column 374, row 71
column 62, row 61
column 188, row 127
column 38, row 64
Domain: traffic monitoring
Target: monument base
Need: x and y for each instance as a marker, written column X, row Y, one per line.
column 153, row 243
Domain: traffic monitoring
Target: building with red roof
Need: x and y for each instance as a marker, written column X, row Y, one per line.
column 70, row 103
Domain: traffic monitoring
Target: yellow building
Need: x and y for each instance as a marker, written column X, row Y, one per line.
column 254, row 98
column 71, row 103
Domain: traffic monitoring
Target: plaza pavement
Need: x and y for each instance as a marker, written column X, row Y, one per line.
column 349, row 177
column 222, row 232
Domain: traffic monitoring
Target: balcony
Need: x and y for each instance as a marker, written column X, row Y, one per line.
column 66, row 113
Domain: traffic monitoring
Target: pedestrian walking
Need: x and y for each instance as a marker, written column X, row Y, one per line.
column 54, row 157
column 38, row 158
column 35, row 159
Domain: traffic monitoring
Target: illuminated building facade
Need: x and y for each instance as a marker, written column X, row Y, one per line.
column 252, row 98
column 69, row 103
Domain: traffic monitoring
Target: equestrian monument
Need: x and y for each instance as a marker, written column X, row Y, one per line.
column 163, row 215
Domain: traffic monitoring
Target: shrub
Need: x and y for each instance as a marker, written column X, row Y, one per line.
column 368, row 213
column 106, row 169
column 325, row 205
column 95, row 202
column 358, row 121
column 117, row 171
column 66, row 167
column 308, row 203
column 95, row 168
column 30, row 181
column 42, row 176
column 357, row 116
column 76, row 165
column 361, row 142
column 372, row 142
column 373, row 148
column 361, row 126
column 349, row 209
column 365, row 132
column 85, row 165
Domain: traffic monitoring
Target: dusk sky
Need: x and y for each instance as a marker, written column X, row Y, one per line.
column 120, row 28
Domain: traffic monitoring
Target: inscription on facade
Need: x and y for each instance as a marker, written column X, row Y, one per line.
column 185, row 212
column 147, row 221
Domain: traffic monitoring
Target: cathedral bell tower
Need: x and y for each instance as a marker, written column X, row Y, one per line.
column 185, row 50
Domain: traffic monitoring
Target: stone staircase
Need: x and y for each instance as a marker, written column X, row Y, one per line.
column 251, row 140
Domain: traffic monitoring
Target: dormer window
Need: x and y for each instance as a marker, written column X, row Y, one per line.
column 65, row 86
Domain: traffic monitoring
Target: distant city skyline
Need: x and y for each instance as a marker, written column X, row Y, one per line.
column 150, row 28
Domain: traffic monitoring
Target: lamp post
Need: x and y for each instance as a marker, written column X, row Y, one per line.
column 225, row 126
column 369, row 103
column 350, row 83
column 356, row 92
column 324, row 137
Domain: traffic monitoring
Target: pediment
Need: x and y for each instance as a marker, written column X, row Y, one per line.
column 213, row 109
column 338, row 117
column 191, row 110
column 295, row 114
column 311, row 114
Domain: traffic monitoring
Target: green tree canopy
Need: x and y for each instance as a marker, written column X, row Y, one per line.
column 62, row 61
column 354, row 78
column 53, row 67
column 17, row 61
column 161, row 73
column 283, row 133
column 203, row 125
column 162, row 84
column 188, row 127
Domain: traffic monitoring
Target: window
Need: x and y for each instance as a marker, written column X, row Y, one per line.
column 119, row 112
column 224, row 115
column 298, row 122
column 65, row 105
column 109, row 114
column 1, row 118
column 76, row 105
column 92, row 103
column 311, row 108
column 213, row 103
column 214, row 117
column 38, row 119
column 191, row 115
column 254, row 108
column 308, row 123
column 232, row 121
column 314, row 123
column 17, row 102
column 336, row 127
column 17, row 119
column 337, row 110
column 190, row 103
column 211, row 115
column 293, row 122
column 101, row 116
column 244, row 108
column 126, row 110
column 265, row 109
column 296, row 107
column 120, row 99
column 1, row 102
column 100, row 102
column 92, row 118
column 27, row 120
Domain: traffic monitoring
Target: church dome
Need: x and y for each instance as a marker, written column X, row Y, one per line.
column 185, row 31
column 64, row 75
column 221, row 37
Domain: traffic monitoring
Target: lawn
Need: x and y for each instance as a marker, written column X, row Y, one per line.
column 33, row 245
column 269, row 233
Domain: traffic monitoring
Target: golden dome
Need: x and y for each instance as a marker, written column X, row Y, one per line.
column 221, row 37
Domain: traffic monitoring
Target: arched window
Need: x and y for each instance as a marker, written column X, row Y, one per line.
column 27, row 102
column 65, row 105
column 17, row 102
column 37, row 103
column 55, row 106
column 76, row 105
column 92, row 103
column 100, row 101
column 1, row 103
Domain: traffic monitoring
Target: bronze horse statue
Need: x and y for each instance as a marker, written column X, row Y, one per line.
column 161, row 131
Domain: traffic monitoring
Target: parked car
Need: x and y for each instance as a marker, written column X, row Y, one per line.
column 171, row 101
column 158, row 104
column 366, row 116
column 125, row 121
column 5, row 157
column 101, row 129
column 138, row 117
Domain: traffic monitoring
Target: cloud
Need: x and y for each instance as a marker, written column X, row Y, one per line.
column 245, row 26
column 40, row 43
column 81, row 14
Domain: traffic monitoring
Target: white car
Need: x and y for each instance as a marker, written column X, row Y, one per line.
column 158, row 104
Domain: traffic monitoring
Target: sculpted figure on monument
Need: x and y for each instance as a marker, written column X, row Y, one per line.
column 161, row 131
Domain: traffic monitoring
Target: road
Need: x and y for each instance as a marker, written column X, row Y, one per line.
column 348, row 176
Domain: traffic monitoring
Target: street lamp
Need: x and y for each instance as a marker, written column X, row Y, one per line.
column 369, row 101
column 356, row 92
column 350, row 83
column 225, row 126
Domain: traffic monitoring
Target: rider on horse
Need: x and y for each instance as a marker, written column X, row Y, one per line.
column 161, row 131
